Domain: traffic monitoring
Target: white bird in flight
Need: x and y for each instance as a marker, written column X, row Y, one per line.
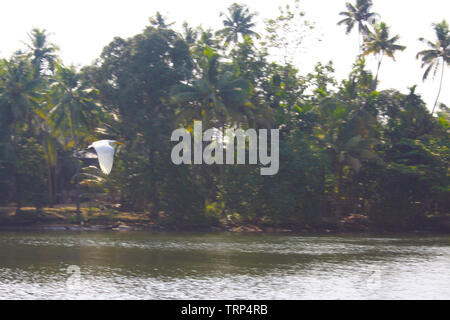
column 105, row 152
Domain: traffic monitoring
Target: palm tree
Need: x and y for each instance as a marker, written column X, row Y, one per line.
column 218, row 98
column 189, row 34
column 205, row 41
column 345, row 143
column 43, row 53
column 380, row 44
column 19, row 92
column 238, row 22
column 438, row 56
column 358, row 14
column 73, row 109
column 18, row 102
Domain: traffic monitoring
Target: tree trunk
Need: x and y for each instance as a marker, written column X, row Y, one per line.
column 55, row 184
column 49, row 183
column 77, row 192
column 359, row 43
column 154, row 192
column 375, row 82
column 440, row 87
column 18, row 188
column 338, row 200
column 77, row 178
column 18, row 193
column 50, row 180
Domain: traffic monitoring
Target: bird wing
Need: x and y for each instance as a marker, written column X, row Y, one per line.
column 105, row 155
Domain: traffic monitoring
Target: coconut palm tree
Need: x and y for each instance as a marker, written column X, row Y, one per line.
column 218, row 98
column 438, row 56
column 43, row 53
column 205, row 40
column 360, row 15
column 238, row 22
column 380, row 44
column 44, row 58
column 20, row 93
column 18, row 104
column 73, row 110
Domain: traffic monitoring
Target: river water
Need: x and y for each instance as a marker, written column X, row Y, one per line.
column 141, row 265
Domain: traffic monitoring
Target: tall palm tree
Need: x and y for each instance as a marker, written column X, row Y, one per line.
column 44, row 59
column 238, row 22
column 360, row 15
column 438, row 56
column 380, row 44
column 43, row 53
column 74, row 109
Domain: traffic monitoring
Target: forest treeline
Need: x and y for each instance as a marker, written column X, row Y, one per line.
column 345, row 148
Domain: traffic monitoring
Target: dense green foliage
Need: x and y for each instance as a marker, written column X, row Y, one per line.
column 345, row 148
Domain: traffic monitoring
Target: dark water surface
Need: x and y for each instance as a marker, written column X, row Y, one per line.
column 140, row 265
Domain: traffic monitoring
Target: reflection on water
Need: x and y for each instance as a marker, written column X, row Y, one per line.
column 139, row 265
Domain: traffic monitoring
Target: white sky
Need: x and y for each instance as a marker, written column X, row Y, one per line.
column 82, row 28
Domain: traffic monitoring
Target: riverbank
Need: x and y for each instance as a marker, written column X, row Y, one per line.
column 64, row 217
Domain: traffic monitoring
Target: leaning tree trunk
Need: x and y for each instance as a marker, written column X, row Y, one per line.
column 440, row 87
